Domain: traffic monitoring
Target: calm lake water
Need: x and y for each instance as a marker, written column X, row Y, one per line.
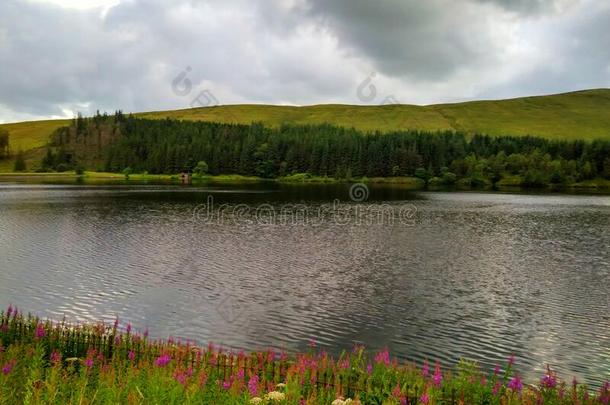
column 428, row 274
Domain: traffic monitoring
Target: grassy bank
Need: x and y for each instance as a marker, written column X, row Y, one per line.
column 414, row 183
column 57, row 363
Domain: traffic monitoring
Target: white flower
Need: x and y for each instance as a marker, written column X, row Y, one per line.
column 256, row 400
column 280, row 385
column 275, row 396
column 341, row 401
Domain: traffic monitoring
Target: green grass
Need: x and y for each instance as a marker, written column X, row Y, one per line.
column 577, row 115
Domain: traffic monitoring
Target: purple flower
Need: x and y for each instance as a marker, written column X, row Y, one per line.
column 40, row 332
column 8, row 367
column 515, row 384
column 131, row 355
column 425, row 398
column 497, row 369
column 129, row 328
column 369, row 369
column 163, row 360
column 253, row 385
column 548, row 381
column 9, row 311
column 496, row 388
column 89, row 362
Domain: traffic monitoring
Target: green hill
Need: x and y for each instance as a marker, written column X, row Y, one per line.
column 577, row 115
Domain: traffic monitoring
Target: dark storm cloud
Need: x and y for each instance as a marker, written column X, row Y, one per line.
column 421, row 39
column 56, row 60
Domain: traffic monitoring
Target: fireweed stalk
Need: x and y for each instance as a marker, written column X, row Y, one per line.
column 59, row 363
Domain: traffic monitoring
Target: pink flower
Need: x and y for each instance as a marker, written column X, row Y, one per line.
column 40, row 332
column 425, row 371
column 180, row 377
column 128, row 327
column 496, row 388
column 396, row 391
column 438, row 376
column 515, row 384
column 425, row 398
column 89, row 362
column 548, row 381
column 55, row 357
column 497, row 369
column 131, row 355
column 253, row 385
column 511, row 360
column 369, row 369
column 163, row 360
column 8, row 367
column 383, row 357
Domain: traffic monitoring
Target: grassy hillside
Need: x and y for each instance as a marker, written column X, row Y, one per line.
column 582, row 115
column 30, row 137
column 578, row 115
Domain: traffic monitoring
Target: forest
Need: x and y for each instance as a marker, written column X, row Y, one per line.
column 123, row 142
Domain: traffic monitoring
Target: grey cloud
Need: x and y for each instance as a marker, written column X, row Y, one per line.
column 300, row 51
column 426, row 40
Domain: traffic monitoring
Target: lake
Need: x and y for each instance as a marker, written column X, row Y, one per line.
column 430, row 275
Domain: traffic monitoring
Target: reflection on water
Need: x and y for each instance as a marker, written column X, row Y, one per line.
column 473, row 275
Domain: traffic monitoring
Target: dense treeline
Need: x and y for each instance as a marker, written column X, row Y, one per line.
column 166, row 146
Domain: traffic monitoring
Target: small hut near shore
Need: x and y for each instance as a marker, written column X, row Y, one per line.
column 186, row 177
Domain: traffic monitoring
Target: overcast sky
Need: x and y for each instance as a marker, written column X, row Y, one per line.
column 62, row 56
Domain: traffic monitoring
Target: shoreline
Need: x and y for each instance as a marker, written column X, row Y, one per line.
column 596, row 186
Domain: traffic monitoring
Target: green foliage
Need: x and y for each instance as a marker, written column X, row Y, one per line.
column 127, row 172
column 20, row 165
column 4, row 143
column 201, row 168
